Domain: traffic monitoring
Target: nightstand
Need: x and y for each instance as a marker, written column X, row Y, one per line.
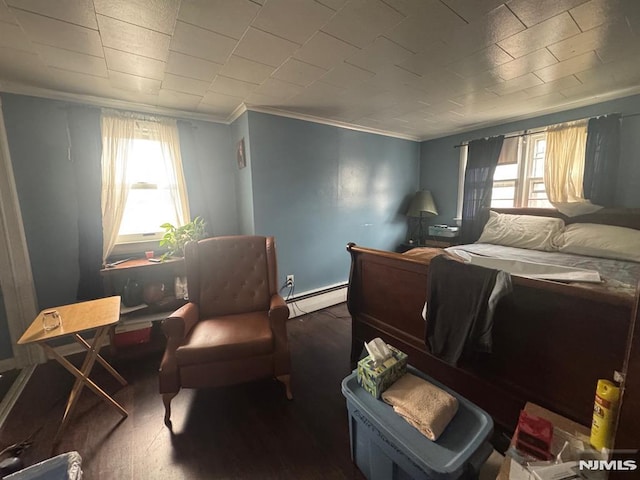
column 435, row 241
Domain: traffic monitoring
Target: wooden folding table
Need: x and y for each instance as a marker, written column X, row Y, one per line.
column 76, row 318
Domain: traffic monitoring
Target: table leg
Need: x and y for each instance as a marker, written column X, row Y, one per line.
column 82, row 378
column 101, row 360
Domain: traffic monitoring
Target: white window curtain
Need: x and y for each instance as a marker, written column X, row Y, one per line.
column 118, row 133
column 166, row 132
column 564, row 168
column 119, row 130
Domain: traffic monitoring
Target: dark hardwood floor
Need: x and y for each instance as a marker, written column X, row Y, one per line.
column 247, row 431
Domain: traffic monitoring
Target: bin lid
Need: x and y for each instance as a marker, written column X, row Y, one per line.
column 464, row 435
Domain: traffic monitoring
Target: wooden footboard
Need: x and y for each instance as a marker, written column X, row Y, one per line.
column 552, row 342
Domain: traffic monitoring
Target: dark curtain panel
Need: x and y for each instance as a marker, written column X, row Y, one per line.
column 478, row 184
column 601, row 161
column 85, row 151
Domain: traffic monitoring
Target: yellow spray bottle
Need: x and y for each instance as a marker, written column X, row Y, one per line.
column 604, row 414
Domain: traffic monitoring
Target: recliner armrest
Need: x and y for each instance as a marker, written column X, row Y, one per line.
column 278, row 310
column 179, row 323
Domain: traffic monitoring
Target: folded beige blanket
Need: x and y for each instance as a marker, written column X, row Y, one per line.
column 423, row 405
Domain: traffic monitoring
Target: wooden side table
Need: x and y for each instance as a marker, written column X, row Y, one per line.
column 76, row 318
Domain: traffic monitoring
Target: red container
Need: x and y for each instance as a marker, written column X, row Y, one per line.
column 133, row 337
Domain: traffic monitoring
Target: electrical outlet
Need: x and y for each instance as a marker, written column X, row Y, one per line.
column 289, row 280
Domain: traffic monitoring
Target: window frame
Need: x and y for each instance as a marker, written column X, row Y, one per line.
column 130, row 243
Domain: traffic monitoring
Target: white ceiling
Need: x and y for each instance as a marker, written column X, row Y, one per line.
column 417, row 68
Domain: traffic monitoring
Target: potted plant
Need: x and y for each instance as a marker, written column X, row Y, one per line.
column 175, row 238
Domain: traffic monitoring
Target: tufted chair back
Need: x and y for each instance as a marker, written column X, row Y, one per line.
column 231, row 275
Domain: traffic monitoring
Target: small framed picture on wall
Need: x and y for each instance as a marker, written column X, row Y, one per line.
column 240, row 154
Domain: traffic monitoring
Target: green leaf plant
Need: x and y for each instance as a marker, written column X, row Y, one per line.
column 175, row 238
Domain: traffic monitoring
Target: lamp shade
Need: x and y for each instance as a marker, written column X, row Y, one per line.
column 422, row 202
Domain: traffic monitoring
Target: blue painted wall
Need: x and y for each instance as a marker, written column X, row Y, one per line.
column 317, row 187
column 207, row 151
column 243, row 179
column 36, row 129
column 439, row 160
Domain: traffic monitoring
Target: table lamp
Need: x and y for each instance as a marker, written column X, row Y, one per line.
column 422, row 205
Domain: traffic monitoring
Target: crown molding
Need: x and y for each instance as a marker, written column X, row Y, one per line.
column 103, row 102
column 236, row 113
column 333, row 123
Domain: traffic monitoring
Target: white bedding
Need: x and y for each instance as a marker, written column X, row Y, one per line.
column 528, row 269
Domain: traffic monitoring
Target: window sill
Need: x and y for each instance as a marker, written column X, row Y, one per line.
column 137, row 248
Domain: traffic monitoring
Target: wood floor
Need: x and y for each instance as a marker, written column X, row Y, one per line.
column 248, row 431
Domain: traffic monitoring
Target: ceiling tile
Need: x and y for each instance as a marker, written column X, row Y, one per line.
column 265, row 48
column 427, row 60
column 201, row 43
column 426, row 22
column 75, row 82
column 346, row 76
column 531, row 13
column 125, row 62
column 546, row 33
column 185, row 84
column 73, row 61
column 133, row 39
column 132, row 96
column 568, row 67
column 232, row 86
column 134, row 83
column 470, row 11
column 78, row 12
column 273, row 87
column 295, row 20
column 615, row 50
column 333, row 4
column 515, row 84
column 553, row 86
column 60, row 34
column 227, row 17
column 18, row 65
column 593, row 39
column 12, row 36
column 526, row 64
column 594, row 13
column 5, row 14
column 192, row 67
column 178, row 100
column 217, row 103
column 298, row 72
column 157, row 15
column 498, row 24
column 246, row 70
column 481, row 61
column 382, row 53
column 361, row 21
column 324, row 50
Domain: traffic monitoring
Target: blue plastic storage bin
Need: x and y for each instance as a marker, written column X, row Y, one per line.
column 385, row 447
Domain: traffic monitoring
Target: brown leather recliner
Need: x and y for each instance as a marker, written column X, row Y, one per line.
column 233, row 329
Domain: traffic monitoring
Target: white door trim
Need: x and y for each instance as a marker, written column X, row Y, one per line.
column 16, row 278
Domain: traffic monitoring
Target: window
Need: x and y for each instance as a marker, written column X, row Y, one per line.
column 142, row 180
column 519, row 177
column 149, row 201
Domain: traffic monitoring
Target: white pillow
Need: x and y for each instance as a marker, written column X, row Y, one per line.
column 522, row 231
column 604, row 241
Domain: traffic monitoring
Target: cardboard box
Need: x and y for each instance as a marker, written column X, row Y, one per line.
column 376, row 379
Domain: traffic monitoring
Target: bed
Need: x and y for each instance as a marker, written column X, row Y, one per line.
column 551, row 340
